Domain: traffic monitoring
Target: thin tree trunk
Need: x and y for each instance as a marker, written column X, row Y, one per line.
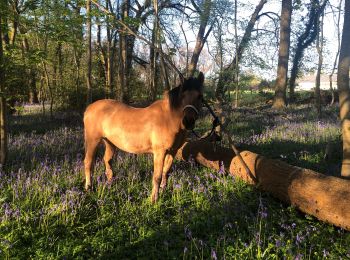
column 89, row 54
column 123, row 47
column 337, row 54
column 48, row 87
column 319, row 47
column 32, row 91
column 3, row 119
column 325, row 197
column 224, row 77
column 153, row 55
column 77, row 75
column 165, row 73
column 344, row 90
column 283, row 56
column 102, row 56
column 42, row 94
column 109, row 76
column 187, row 49
column 236, row 71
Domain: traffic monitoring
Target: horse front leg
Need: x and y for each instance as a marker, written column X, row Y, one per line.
column 169, row 158
column 158, row 161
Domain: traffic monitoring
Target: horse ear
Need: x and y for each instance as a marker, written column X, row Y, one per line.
column 201, row 77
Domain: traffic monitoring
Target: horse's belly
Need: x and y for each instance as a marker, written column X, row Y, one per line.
column 131, row 143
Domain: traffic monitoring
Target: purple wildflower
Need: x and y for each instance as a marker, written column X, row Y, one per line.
column 222, row 168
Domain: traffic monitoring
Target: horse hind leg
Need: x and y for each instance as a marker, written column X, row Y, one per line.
column 90, row 151
column 109, row 152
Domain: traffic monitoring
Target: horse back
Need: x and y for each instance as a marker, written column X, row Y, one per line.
column 136, row 130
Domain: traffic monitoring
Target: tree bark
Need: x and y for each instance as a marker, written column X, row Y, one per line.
column 3, row 119
column 89, row 54
column 337, row 54
column 236, row 75
column 225, row 76
column 202, row 36
column 344, row 90
column 325, row 197
column 319, row 48
column 123, row 55
column 32, row 91
column 153, row 55
column 283, row 56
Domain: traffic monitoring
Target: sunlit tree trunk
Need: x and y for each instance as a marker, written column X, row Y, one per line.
column 89, row 54
column 3, row 119
column 344, row 90
column 283, row 56
column 153, row 55
column 319, row 48
column 32, row 91
column 123, row 55
column 109, row 58
column 202, row 36
column 337, row 54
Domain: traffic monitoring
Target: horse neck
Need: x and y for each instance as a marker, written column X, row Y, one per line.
column 175, row 114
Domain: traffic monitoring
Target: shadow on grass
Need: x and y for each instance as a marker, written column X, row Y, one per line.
column 310, row 156
column 41, row 124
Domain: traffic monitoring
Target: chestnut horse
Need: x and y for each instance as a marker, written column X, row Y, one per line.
column 159, row 129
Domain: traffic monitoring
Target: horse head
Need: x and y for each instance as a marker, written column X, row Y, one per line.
column 191, row 96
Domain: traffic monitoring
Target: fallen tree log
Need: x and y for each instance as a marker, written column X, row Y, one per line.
column 325, row 197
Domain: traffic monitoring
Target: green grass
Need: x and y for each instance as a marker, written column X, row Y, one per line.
column 46, row 214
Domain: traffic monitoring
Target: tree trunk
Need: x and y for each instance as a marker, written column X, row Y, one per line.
column 124, row 55
column 153, row 57
column 109, row 69
column 236, row 72
column 344, row 90
column 201, row 36
column 319, row 48
column 304, row 41
column 89, row 54
column 3, row 119
column 337, row 54
column 225, row 77
column 283, row 55
column 325, row 197
column 32, row 91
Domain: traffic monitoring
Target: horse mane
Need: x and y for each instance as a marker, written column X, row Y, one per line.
column 174, row 95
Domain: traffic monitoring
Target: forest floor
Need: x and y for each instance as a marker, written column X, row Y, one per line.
column 45, row 212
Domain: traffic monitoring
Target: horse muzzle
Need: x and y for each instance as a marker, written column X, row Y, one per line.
column 190, row 117
column 189, row 122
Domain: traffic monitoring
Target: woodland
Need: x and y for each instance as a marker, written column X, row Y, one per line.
column 267, row 179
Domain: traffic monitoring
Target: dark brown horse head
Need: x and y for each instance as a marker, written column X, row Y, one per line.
column 188, row 97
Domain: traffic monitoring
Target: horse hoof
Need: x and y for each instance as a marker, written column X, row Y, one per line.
column 162, row 187
column 154, row 199
column 88, row 188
